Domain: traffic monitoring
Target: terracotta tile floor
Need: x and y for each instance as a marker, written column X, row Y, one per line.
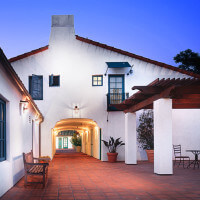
column 78, row 176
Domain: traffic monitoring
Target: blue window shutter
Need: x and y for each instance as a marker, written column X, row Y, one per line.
column 37, row 87
column 51, row 80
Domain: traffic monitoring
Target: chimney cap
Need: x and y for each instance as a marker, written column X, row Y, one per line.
column 62, row 21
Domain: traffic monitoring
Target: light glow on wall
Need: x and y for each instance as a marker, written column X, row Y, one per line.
column 96, row 129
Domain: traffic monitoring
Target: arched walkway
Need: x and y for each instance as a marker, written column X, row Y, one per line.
column 87, row 128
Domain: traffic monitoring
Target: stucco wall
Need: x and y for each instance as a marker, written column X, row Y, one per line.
column 18, row 134
column 186, row 126
column 76, row 62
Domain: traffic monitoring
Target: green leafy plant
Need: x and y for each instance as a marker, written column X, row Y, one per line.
column 76, row 139
column 112, row 144
column 145, row 130
column 189, row 60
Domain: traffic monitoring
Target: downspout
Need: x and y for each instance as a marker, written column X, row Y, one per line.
column 40, row 136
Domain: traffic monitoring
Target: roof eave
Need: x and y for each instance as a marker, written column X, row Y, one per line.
column 137, row 56
column 9, row 69
column 30, row 53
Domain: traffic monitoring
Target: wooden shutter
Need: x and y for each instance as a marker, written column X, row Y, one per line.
column 37, row 87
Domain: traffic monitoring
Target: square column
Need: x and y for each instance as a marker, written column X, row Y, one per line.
column 130, row 139
column 163, row 163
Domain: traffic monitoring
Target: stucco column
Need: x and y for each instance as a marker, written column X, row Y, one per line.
column 130, row 139
column 163, row 136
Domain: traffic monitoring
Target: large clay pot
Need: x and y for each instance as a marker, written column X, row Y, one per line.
column 150, row 155
column 78, row 148
column 112, row 157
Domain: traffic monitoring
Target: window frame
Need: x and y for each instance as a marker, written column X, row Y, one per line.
column 94, row 76
column 4, row 130
column 116, row 75
column 116, row 95
column 58, row 81
column 30, row 87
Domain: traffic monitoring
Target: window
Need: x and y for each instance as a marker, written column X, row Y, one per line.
column 116, row 89
column 36, row 87
column 54, row 80
column 97, row 80
column 2, row 130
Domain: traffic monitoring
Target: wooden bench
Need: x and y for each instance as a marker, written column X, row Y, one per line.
column 32, row 168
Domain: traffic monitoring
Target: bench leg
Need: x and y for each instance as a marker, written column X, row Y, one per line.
column 47, row 177
column 43, row 180
column 25, row 180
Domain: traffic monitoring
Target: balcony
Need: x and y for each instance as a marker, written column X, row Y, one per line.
column 115, row 98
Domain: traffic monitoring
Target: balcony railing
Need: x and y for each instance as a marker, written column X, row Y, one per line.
column 115, row 98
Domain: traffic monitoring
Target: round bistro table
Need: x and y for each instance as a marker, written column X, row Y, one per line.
column 196, row 160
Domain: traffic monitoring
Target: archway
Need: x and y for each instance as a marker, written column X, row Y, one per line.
column 89, row 131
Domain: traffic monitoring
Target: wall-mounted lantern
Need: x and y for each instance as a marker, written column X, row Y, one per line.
column 76, row 112
column 24, row 105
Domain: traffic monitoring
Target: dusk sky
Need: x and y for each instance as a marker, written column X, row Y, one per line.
column 156, row 29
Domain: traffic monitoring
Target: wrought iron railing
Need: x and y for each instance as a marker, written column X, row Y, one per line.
column 115, row 98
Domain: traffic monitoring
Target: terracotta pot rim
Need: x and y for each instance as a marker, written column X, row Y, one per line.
column 112, row 153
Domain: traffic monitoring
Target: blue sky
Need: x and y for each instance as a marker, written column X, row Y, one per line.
column 157, row 29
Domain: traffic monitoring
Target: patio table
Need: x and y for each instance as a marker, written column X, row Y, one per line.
column 196, row 160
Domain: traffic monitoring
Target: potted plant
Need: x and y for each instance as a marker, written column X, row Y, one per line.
column 112, row 147
column 145, row 133
column 76, row 141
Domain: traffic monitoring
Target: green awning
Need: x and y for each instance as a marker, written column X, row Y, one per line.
column 118, row 64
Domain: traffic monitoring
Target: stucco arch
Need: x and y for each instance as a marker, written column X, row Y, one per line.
column 90, row 134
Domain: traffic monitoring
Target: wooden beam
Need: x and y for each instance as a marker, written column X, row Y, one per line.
column 148, row 89
column 186, row 106
column 193, row 89
column 131, row 101
column 139, row 96
column 149, row 107
column 164, row 94
column 186, row 101
column 188, row 96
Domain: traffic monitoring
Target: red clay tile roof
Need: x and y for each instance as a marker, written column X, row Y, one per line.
column 86, row 40
column 137, row 56
column 30, row 53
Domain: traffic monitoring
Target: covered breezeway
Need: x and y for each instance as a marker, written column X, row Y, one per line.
column 89, row 131
column 162, row 96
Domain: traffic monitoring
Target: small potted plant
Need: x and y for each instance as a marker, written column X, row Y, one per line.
column 112, row 145
column 78, row 144
column 145, row 133
column 76, row 141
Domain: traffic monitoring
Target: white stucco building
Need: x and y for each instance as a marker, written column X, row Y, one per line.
column 19, row 125
column 74, row 79
column 76, row 61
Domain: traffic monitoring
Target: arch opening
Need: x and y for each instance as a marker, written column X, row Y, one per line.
column 88, row 129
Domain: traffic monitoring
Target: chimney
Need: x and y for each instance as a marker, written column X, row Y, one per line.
column 62, row 29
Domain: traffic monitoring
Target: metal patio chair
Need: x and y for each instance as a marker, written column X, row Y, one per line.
column 179, row 157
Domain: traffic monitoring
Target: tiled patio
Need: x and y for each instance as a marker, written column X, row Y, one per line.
column 78, row 176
